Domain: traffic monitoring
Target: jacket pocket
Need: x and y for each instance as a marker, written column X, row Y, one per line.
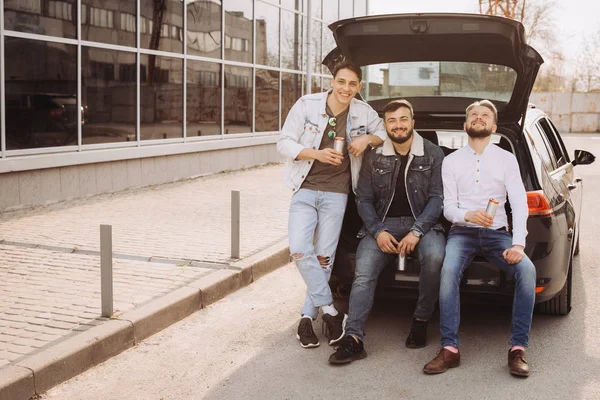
column 308, row 136
column 382, row 175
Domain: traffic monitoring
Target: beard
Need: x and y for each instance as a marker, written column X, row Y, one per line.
column 478, row 133
column 400, row 139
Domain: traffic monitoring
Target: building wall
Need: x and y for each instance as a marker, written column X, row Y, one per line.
column 571, row 112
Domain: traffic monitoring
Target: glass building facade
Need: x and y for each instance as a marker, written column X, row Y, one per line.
column 95, row 75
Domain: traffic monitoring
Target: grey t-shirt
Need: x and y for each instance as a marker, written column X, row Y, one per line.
column 327, row 177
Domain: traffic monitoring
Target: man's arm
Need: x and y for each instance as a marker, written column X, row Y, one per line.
column 375, row 137
column 365, row 197
column 452, row 212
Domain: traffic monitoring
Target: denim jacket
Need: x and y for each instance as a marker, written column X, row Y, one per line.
column 423, row 180
column 304, row 128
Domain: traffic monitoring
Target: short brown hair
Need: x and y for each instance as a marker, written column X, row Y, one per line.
column 351, row 66
column 484, row 103
column 396, row 104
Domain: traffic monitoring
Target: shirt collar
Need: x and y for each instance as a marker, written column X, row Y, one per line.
column 416, row 147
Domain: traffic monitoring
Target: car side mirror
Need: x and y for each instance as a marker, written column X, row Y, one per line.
column 583, row 157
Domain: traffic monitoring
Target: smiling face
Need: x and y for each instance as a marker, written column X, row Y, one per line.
column 344, row 87
column 399, row 125
column 481, row 122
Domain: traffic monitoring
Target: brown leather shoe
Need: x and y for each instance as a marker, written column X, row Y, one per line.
column 517, row 364
column 443, row 360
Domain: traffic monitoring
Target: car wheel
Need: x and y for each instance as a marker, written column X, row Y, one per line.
column 561, row 303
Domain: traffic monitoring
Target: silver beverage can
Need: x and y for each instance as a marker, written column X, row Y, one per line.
column 492, row 207
column 338, row 144
column 401, row 262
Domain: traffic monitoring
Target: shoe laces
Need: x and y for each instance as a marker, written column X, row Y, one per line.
column 349, row 344
column 305, row 328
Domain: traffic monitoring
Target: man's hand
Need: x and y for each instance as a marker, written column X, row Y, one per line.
column 387, row 243
column 407, row 244
column 359, row 145
column 514, row 254
column 329, row 156
column 479, row 217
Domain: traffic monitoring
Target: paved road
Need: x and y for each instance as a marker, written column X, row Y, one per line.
column 244, row 346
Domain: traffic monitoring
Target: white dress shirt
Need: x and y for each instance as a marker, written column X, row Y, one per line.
column 471, row 180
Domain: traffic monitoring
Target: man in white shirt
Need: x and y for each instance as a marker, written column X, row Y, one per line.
column 472, row 176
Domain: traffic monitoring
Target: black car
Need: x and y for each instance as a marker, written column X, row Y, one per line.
column 442, row 63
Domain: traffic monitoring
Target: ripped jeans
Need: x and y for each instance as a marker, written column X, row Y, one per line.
column 315, row 223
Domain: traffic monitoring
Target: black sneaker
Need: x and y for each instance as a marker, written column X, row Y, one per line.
column 417, row 337
column 348, row 350
column 306, row 334
column 334, row 327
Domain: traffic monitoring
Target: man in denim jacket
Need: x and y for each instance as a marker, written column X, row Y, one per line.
column 321, row 179
column 399, row 198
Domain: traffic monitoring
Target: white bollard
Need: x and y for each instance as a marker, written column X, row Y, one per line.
column 235, row 224
column 106, row 280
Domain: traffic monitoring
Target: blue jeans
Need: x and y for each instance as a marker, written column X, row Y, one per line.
column 464, row 243
column 370, row 262
column 315, row 223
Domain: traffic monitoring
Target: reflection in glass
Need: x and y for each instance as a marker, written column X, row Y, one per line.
column 238, row 30
column 292, row 4
column 267, row 34
column 360, row 8
column 316, row 46
column 41, row 94
column 109, row 22
column 161, row 25
column 328, row 43
column 54, row 18
column 330, row 11
column 291, row 40
column 291, row 91
column 108, row 90
column 238, row 99
column 203, row 98
column 161, row 94
column 316, row 8
column 346, row 9
column 267, row 100
column 204, row 28
column 315, row 84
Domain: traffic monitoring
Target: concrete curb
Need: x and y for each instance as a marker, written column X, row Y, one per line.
column 64, row 360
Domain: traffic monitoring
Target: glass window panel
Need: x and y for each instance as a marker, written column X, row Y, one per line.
column 291, row 91
column 360, row 8
column 204, row 28
column 326, row 83
column 292, row 4
column 291, row 40
column 161, row 107
column 158, row 16
column 109, row 22
column 238, row 30
column 267, row 34
column 328, row 43
column 42, row 17
column 203, row 98
column 238, row 99
column 305, row 45
column 316, row 46
column 346, row 9
column 315, row 84
column 41, row 94
column 267, row 100
column 108, row 90
column 316, row 8
column 330, row 11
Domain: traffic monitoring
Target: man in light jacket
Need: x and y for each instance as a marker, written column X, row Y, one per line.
column 321, row 179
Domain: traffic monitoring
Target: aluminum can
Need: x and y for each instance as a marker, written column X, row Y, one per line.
column 401, row 262
column 492, row 207
column 338, row 144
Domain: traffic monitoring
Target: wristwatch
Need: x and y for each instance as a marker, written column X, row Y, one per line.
column 417, row 233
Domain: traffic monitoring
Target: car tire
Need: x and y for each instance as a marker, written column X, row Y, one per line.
column 561, row 303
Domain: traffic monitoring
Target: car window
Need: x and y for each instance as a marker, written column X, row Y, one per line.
column 540, row 149
column 555, row 141
column 439, row 78
column 458, row 139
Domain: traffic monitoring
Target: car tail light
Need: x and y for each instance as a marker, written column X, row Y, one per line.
column 55, row 113
column 538, row 204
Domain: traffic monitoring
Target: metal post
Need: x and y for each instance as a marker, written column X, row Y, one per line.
column 106, row 288
column 235, row 224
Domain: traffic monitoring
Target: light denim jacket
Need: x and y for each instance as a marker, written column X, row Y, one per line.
column 304, row 128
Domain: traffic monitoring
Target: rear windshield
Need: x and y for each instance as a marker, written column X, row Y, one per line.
column 439, row 78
